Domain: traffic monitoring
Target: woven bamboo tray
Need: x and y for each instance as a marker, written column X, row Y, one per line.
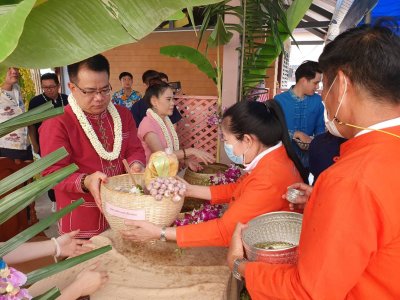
column 200, row 178
column 118, row 206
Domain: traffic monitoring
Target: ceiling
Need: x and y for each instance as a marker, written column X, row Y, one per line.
column 322, row 21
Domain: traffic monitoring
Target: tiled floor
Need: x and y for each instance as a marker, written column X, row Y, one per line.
column 43, row 210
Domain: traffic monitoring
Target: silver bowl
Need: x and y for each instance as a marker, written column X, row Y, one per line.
column 279, row 234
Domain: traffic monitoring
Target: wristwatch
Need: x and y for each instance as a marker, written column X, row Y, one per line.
column 235, row 271
column 163, row 238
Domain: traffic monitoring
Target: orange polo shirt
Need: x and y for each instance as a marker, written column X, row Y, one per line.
column 254, row 194
column 350, row 241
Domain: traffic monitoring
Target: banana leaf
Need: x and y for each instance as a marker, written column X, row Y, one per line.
column 47, row 271
column 219, row 36
column 193, row 56
column 32, row 169
column 51, row 294
column 294, row 14
column 30, row 232
column 9, row 203
column 78, row 29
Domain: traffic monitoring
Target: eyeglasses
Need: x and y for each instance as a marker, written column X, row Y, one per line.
column 91, row 92
column 49, row 87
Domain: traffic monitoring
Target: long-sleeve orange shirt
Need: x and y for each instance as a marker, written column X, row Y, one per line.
column 254, row 194
column 350, row 241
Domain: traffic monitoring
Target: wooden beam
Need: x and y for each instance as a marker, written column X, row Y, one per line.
column 323, row 12
column 314, row 24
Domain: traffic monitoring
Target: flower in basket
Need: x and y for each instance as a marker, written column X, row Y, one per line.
column 230, row 175
column 204, row 213
column 207, row 211
column 11, row 281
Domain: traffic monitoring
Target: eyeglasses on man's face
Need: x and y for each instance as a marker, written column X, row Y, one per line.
column 50, row 87
column 92, row 92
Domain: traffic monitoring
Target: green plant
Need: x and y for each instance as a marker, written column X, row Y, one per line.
column 82, row 29
column 14, row 202
column 264, row 26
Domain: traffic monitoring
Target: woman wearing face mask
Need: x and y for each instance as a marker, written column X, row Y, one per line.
column 157, row 132
column 256, row 136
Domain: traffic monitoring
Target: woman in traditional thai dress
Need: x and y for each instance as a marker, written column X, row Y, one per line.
column 157, row 132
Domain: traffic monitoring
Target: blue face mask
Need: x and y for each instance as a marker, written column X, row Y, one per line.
column 234, row 158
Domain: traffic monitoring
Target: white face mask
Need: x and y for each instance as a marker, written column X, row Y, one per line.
column 330, row 124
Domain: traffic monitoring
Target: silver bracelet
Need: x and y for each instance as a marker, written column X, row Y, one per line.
column 163, row 238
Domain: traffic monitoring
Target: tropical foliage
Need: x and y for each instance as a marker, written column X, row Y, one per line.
column 263, row 27
column 19, row 199
column 40, row 34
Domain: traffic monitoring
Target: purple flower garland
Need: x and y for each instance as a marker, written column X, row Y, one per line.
column 207, row 211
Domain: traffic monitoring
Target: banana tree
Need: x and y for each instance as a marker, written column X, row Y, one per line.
column 40, row 33
column 264, row 26
column 219, row 37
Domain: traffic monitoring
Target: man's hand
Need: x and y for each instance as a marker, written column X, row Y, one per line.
column 236, row 246
column 137, row 167
column 301, row 200
column 305, row 138
column 92, row 183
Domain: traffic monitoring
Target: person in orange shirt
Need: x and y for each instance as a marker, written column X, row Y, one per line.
column 350, row 241
column 256, row 136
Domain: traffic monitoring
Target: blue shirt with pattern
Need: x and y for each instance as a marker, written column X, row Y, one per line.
column 119, row 98
column 302, row 114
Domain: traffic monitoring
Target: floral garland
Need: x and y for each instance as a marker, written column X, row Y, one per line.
column 11, row 281
column 175, row 145
column 88, row 129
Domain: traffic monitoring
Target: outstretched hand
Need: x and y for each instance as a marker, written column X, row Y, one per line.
column 91, row 279
column 70, row 246
column 201, row 155
column 141, row 231
column 92, row 183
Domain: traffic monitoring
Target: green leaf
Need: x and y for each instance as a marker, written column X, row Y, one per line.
column 51, row 294
column 30, row 232
column 193, row 56
column 12, row 20
column 30, row 117
column 63, row 265
column 8, row 203
column 190, row 14
column 219, row 36
column 179, row 15
column 32, row 169
column 79, row 29
column 294, row 14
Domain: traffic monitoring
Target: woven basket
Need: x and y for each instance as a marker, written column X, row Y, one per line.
column 275, row 227
column 200, row 178
column 118, row 206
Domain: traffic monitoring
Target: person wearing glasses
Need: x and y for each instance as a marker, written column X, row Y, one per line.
column 50, row 86
column 98, row 135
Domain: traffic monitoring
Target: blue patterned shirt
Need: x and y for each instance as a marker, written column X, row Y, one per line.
column 119, row 98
